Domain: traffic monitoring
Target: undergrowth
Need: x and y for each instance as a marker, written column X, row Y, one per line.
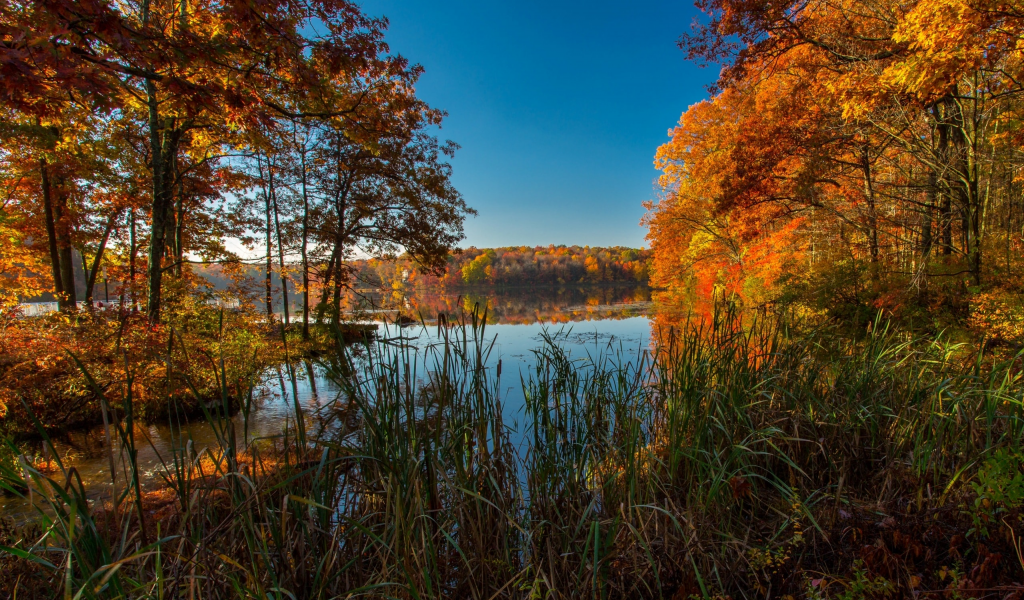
column 735, row 459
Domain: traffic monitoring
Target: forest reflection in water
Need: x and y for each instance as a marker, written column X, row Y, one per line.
column 587, row 321
column 509, row 306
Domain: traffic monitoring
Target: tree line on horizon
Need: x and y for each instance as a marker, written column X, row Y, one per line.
column 138, row 137
column 855, row 157
column 513, row 266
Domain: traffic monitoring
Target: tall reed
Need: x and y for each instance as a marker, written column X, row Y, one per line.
column 715, row 463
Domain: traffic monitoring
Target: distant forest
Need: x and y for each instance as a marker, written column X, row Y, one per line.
column 513, row 266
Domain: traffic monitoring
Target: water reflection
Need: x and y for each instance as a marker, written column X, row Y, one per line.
column 511, row 306
column 587, row 322
column 271, row 415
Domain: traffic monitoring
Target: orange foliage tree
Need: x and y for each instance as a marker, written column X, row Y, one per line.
column 860, row 156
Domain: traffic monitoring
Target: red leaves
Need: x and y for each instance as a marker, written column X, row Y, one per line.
column 740, row 487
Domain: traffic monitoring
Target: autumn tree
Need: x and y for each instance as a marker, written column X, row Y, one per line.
column 861, row 137
column 183, row 97
column 390, row 195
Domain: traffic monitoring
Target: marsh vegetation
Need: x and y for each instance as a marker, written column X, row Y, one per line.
column 739, row 457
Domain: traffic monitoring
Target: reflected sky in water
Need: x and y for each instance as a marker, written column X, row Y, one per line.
column 586, row 323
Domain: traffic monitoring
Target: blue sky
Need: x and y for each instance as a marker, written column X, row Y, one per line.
column 559, row 108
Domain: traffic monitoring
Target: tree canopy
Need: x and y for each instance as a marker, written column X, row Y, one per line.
column 140, row 136
column 861, row 153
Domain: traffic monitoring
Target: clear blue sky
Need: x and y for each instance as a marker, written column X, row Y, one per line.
column 558, row 106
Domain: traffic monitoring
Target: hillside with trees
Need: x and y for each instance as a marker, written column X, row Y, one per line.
column 514, row 266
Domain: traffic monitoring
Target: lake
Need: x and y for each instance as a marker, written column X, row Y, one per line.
column 584, row 321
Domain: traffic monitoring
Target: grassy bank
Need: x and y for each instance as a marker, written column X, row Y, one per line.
column 741, row 460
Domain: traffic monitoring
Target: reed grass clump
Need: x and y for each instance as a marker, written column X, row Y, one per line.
column 735, row 458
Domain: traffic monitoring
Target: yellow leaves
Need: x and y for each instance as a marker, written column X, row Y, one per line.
column 937, row 25
column 20, row 266
column 864, row 56
column 476, row 271
column 950, row 39
column 7, row 397
column 998, row 315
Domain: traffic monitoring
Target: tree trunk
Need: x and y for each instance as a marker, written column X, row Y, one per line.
column 90, row 282
column 51, row 237
column 941, row 111
column 927, row 239
column 339, row 246
column 175, row 214
column 179, row 219
column 270, row 245
column 325, row 291
column 305, row 242
column 869, row 195
column 179, row 236
column 336, row 295
column 280, row 252
column 976, row 212
column 170, row 246
column 159, row 142
column 132, row 249
column 965, row 171
column 64, row 250
column 159, row 138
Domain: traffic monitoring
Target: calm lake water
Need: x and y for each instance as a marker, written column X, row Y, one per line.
column 584, row 321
